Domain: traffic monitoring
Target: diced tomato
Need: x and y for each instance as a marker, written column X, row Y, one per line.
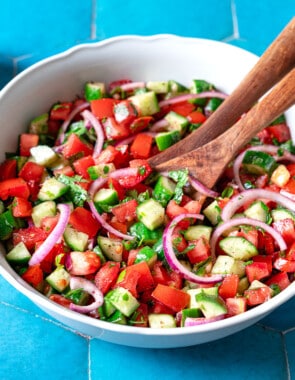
column 290, row 186
column 145, row 280
column 140, row 316
column 125, row 212
column 251, row 235
column 75, row 145
column 130, row 282
column 159, row 308
column 265, row 243
column 257, row 296
column 114, row 184
column 173, row 209
column 27, row 141
column 290, row 255
column 132, row 254
column 83, row 220
column 141, row 146
column 48, row 263
column 120, row 226
column 280, row 279
column 108, row 155
column 140, row 124
column 61, row 300
column 54, row 127
column 103, row 108
column 61, row 111
column 107, row 276
column 33, row 275
column 114, row 130
column 32, row 171
column 21, row 207
column 14, row 187
column 229, row 286
column 29, row 236
column 183, row 108
column 175, row 299
column 83, row 263
column 200, row 250
column 264, row 259
column 124, row 112
column 144, row 170
column 264, row 136
column 291, row 169
column 178, row 241
column 280, row 132
column 257, row 271
column 66, row 170
column 82, row 164
column 236, row 305
column 8, row 169
column 286, row 228
column 196, row 117
column 284, row 265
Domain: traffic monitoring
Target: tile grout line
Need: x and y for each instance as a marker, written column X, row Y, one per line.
column 286, row 356
column 235, row 35
column 93, row 20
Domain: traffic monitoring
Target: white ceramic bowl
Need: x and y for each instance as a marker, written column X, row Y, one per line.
column 61, row 77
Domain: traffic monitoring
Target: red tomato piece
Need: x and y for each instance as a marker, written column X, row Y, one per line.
column 141, row 146
column 114, row 184
column 8, row 169
column 61, row 111
column 82, row 164
column 279, row 279
column 236, row 305
column 178, row 241
column 264, row 259
column 103, row 108
column 286, row 228
column 33, row 275
column 175, row 299
column 67, row 170
column 29, row 236
column 83, row 220
column 257, row 296
column 21, row 207
column 291, row 169
column 159, row 308
column 280, row 132
column 290, row 255
column 130, row 282
column 144, row 170
column 183, row 108
column 141, row 123
column 196, row 117
column 83, row 263
column 140, row 316
column 229, row 286
column 107, row 275
column 48, row 263
column 290, row 186
column 27, row 141
column 32, row 172
column 124, row 112
column 145, row 280
column 75, row 145
column 125, row 212
column 284, row 265
column 257, row 271
column 61, row 300
column 108, row 155
column 200, row 251
column 114, row 130
column 14, row 187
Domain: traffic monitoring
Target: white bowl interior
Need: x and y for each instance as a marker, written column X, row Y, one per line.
column 61, row 77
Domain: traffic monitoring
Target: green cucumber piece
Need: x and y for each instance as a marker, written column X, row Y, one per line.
column 146, row 103
column 111, row 248
column 190, row 313
column 59, row 279
column 198, row 86
column 78, row 296
column 158, row 87
column 47, row 208
column 76, row 240
column 212, row 291
column 52, row 189
column 210, row 306
column 151, row 213
column 161, row 321
column 94, row 90
column 19, row 254
column 100, row 170
column 164, row 190
column 228, row 265
column 146, row 254
column 282, row 213
column 176, row 87
column 196, row 232
column 43, row 155
column 176, row 122
column 238, row 247
column 258, row 210
column 118, row 317
column 144, row 235
column 39, row 125
column 123, row 301
column 259, row 163
column 213, row 212
column 166, row 139
column 106, row 197
column 7, row 224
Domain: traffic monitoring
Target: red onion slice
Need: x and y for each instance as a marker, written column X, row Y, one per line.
column 124, row 172
column 271, row 149
column 89, row 287
column 240, row 199
column 92, row 190
column 198, row 186
column 159, row 125
column 88, row 116
column 132, row 86
column 172, row 259
column 189, row 322
column 54, row 236
column 248, row 221
column 185, row 97
column 66, row 123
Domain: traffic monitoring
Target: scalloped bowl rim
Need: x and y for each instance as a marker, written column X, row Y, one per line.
column 137, row 337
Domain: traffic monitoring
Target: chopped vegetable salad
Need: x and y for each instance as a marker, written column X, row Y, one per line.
column 88, row 223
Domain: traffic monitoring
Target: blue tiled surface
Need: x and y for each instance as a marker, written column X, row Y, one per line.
column 35, row 346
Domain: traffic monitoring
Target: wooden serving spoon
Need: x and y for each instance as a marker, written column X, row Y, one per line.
column 277, row 60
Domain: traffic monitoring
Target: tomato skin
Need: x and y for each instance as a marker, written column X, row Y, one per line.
column 264, row 259
column 125, row 212
column 235, row 305
column 290, row 186
column 21, row 207
column 141, row 146
column 162, row 276
column 14, row 187
column 124, row 112
column 229, row 286
column 107, row 276
column 286, row 228
column 141, row 123
column 82, row 164
column 31, row 172
column 178, row 241
column 290, row 255
column 257, row 271
column 129, row 282
column 61, row 111
column 82, row 263
column 103, row 108
column 280, row 132
column 48, row 263
column 63, row 301
column 175, row 299
column 199, row 252
column 284, row 265
column 33, row 275
column 114, row 130
column 280, row 279
column 27, row 141
column 8, row 169
column 145, row 280
column 196, row 117
column 29, row 236
column 183, row 108
column 83, row 220
column 144, row 170
column 257, row 296
column 75, row 145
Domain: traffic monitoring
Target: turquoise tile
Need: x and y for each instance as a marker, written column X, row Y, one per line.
column 193, row 18
column 34, row 348
column 241, row 356
column 30, row 27
column 6, row 69
column 283, row 318
column 290, row 349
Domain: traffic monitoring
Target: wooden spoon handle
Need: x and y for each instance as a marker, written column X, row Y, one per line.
column 208, row 162
column 277, row 60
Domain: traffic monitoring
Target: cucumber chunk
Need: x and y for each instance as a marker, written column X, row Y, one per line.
column 238, row 247
column 166, row 139
column 161, row 321
column 47, row 208
column 146, row 103
column 158, row 87
column 210, row 306
column 123, row 301
column 59, row 279
column 52, row 189
column 228, row 265
column 258, row 210
column 76, row 240
column 111, row 248
column 151, row 213
column 282, row 213
column 43, row 155
column 19, row 254
column 94, row 90
column 196, row 232
column 213, row 212
column 259, row 163
column 164, row 190
column 176, row 122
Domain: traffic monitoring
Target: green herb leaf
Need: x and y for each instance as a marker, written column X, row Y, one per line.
column 181, row 178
